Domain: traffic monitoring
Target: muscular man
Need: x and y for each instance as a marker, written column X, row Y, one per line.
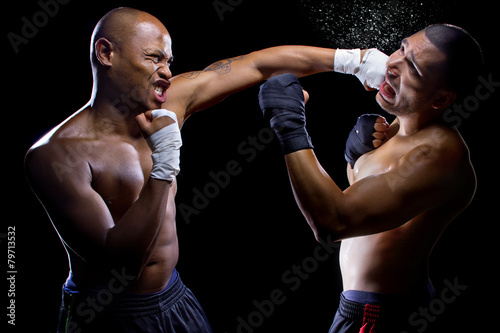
column 403, row 194
column 106, row 175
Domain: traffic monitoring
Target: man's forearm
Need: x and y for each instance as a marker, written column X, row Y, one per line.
column 367, row 64
column 318, row 197
column 282, row 102
column 133, row 237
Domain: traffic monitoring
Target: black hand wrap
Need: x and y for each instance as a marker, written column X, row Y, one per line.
column 282, row 102
column 360, row 140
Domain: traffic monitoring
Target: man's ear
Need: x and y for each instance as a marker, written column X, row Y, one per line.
column 104, row 51
column 444, row 100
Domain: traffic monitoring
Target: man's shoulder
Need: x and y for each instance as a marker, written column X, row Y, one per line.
column 443, row 152
column 437, row 154
column 52, row 143
column 74, row 128
column 446, row 143
column 59, row 145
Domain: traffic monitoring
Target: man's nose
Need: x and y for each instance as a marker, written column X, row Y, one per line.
column 394, row 64
column 164, row 72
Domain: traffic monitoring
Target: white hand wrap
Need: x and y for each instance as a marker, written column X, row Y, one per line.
column 347, row 61
column 371, row 69
column 165, row 145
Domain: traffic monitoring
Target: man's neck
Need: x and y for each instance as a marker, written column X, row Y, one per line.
column 414, row 123
column 112, row 115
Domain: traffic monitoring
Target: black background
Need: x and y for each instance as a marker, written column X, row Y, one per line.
column 237, row 248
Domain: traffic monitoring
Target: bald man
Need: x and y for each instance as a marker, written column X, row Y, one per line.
column 106, row 175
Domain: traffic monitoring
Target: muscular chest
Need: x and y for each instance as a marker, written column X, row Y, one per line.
column 119, row 171
column 380, row 160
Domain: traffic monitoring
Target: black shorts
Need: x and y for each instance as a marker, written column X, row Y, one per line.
column 365, row 312
column 174, row 309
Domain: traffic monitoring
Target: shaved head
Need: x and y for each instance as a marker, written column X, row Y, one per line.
column 131, row 52
column 118, row 26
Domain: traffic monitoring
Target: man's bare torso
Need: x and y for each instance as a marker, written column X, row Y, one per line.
column 396, row 261
column 119, row 167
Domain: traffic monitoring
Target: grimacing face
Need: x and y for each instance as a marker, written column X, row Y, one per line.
column 414, row 79
column 141, row 68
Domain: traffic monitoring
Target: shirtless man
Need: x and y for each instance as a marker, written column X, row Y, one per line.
column 403, row 194
column 112, row 206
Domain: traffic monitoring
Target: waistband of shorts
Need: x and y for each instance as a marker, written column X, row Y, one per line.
column 134, row 304
column 355, row 304
column 359, row 311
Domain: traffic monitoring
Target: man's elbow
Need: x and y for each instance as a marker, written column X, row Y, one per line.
column 328, row 230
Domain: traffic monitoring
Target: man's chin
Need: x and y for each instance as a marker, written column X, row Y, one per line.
column 151, row 105
column 385, row 105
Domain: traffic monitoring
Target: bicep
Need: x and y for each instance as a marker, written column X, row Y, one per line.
column 195, row 91
column 82, row 218
column 372, row 205
column 78, row 213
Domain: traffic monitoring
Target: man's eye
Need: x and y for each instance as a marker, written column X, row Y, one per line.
column 402, row 50
column 413, row 70
column 155, row 58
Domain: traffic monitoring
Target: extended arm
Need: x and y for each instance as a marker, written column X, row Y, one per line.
column 195, row 91
column 198, row 90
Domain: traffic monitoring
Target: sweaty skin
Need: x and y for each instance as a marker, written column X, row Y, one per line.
column 91, row 172
column 395, row 261
column 403, row 194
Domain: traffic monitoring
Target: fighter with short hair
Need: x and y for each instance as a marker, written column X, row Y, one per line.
column 403, row 194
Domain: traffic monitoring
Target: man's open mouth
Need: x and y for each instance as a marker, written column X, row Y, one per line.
column 160, row 89
column 387, row 90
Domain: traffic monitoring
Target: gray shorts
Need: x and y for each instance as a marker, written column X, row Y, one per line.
column 174, row 309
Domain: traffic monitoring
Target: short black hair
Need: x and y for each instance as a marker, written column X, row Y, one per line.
column 464, row 57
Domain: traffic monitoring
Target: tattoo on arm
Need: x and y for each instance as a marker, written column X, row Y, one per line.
column 190, row 75
column 224, row 66
column 220, row 67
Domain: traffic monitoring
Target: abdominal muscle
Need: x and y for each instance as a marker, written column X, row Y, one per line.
column 157, row 271
column 161, row 264
column 391, row 262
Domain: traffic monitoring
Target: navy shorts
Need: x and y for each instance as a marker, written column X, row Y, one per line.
column 174, row 309
column 366, row 312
